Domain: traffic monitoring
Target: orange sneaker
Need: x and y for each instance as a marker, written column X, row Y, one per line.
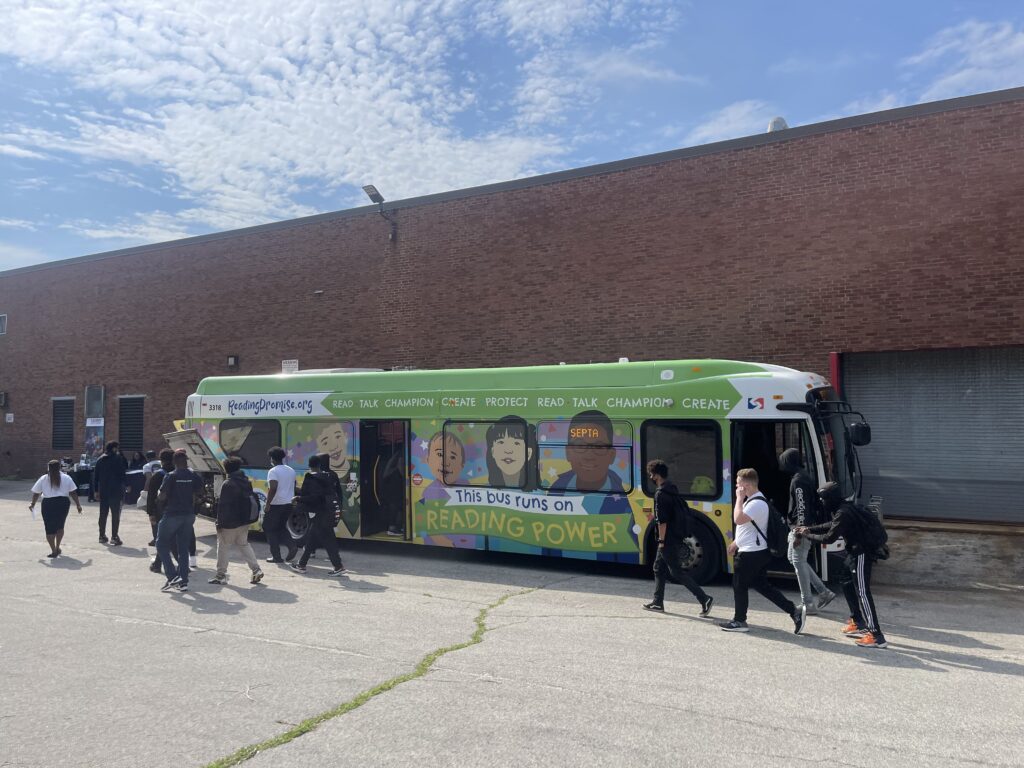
column 852, row 630
column 869, row 641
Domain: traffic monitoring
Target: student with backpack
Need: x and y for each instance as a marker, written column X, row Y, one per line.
column 865, row 539
column 317, row 496
column 672, row 518
column 237, row 509
column 752, row 550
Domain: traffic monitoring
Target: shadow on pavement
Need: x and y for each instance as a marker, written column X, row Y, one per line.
column 66, row 562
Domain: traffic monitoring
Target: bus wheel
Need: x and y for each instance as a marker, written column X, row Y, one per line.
column 703, row 562
column 297, row 525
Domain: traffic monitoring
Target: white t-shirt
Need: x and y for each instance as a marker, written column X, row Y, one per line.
column 285, row 477
column 67, row 485
column 747, row 537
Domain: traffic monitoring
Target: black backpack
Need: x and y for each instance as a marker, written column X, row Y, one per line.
column 777, row 537
column 248, row 510
column 874, row 538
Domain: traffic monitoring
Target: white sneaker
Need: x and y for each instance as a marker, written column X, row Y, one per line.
column 192, row 562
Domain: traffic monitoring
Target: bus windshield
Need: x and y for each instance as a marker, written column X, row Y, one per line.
column 837, row 451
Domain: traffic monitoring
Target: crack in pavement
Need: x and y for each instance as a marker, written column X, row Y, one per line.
column 422, row 668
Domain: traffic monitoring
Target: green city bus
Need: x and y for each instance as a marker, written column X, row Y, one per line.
column 544, row 460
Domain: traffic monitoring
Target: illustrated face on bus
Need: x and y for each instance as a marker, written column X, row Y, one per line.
column 510, row 454
column 590, row 454
column 446, row 458
column 333, row 440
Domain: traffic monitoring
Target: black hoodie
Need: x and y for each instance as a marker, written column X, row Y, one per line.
column 803, row 497
column 670, row 508
column 233, row 505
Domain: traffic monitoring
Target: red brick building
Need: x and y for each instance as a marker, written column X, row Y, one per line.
column 895, row 238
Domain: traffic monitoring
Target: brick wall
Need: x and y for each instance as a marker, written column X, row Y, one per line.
column 901, row 235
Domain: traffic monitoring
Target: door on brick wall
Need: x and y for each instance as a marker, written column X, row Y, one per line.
column 947, row 431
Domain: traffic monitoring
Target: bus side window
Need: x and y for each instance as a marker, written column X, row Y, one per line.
column 693, row 452
column 588, row 453
column 249, row 440
column 494, row 454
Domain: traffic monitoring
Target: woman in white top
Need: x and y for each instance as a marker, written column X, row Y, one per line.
column 57, row 490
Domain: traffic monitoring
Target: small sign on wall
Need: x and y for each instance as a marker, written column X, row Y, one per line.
column 289, row 366
column 9, row 418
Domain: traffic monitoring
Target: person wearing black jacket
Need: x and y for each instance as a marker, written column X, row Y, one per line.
column 233, row 508
column 108, row 488
column 856, row 580
column 803, row 503
column 671, row 516
column 316, row 497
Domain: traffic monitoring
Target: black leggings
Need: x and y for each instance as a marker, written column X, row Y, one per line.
column 110, row 502
column 669, row 563
column 751, row 571
column 321, row 533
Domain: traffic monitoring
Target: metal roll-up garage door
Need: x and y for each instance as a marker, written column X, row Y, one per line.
column 947, row 431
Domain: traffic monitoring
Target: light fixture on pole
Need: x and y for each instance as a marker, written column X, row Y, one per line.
column 378, row 198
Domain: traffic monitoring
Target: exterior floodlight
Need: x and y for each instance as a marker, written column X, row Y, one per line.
column 378, row 198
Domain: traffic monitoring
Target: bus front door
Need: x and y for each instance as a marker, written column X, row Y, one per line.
column 383, row 458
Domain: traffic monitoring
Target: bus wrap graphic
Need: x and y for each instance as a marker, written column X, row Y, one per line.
column 575, row 532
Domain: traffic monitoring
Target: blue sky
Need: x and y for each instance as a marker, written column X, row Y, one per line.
column 123, row 124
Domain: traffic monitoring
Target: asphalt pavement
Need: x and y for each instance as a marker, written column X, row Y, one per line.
column 441, row 658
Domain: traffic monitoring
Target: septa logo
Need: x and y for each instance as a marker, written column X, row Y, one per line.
column 755, row 403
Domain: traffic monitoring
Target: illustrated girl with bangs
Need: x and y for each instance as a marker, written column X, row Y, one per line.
column 511, row 455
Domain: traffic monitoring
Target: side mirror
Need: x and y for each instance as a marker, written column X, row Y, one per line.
column 860, row 433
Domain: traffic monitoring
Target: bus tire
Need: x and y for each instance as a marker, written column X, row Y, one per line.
column 297, row 525
column 705, row 561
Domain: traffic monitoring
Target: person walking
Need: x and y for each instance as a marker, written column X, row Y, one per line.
column 154, row 509
column 108, row 489
column 57, row 490
column 863, row 624
column 316, row 496
column 233, row 509
column 177, row 494
column 280, row 492
column 672, row 521
column 803, row 503
column 751, row 556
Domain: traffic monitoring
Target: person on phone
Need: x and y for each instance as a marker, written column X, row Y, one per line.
column 57, row 490
column 671, row 518
column 751, row 556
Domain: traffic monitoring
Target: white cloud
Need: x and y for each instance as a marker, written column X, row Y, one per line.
column 14, row 256
column 242, row 111
column 17, row 224
column 972, row 57
column 13, row 151
column 741, row 118
column 876, row 103
column 624, row 65
column 143, row 228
